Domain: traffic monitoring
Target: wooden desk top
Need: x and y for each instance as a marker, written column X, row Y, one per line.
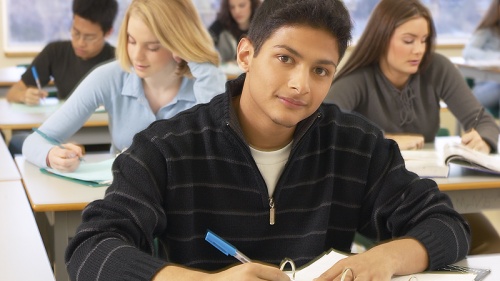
column 22, row 251
column 8, row 169
column 13, row 119
column 49, row 193
column 467, row 179
column 10, row 75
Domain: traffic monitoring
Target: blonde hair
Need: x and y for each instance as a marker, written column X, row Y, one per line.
column 177, row 26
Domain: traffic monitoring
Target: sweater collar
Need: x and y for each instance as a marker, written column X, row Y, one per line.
column 132, row 87
column 234, row 88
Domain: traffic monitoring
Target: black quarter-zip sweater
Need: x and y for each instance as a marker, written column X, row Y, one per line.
column 195, row 172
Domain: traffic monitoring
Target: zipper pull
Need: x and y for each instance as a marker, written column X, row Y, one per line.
column 271, row 211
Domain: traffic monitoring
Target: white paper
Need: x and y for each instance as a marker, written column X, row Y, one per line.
column 322, row 264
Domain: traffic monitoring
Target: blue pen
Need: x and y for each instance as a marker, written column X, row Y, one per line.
column 225, row 247
column 35, row 75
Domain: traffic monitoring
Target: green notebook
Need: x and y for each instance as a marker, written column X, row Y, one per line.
column 91, row 174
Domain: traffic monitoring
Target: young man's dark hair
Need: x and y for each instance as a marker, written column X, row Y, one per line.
column 102, row 12
column 319, row 14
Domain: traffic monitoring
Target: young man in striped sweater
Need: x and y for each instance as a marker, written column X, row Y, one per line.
column 271, row 169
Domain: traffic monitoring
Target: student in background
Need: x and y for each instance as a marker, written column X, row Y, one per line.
column 273, row 170
column 166, row 63
column 231, row 24
column 394, row 78
column 67, row 62
column 485, row 45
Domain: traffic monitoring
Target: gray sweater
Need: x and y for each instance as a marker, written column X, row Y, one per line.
column 415, row 109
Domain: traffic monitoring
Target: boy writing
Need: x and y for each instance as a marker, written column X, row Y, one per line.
column 271, row 169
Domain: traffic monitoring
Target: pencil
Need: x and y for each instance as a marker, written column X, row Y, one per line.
column 478, row 117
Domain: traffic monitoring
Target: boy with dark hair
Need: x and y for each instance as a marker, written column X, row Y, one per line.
column 67, row 62
column 273, row 170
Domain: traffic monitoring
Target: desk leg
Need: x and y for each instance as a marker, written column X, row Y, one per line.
column 64, row 229
column 7, row 133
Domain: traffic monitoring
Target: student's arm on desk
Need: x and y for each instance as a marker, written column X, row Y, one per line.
column 41, row 152
column 407, row 141
column 383, row 261
column 246, row 271
column 21, row 93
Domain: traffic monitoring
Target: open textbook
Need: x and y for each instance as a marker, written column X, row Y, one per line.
column 459, row 154
column 92, row 174
column 315, row 268
column 434, row 163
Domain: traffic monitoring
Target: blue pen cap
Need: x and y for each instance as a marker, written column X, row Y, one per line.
column 35, row 73
column 220, row 244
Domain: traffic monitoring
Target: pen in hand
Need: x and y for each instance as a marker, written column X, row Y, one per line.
column 35, row 75
column 225, row 247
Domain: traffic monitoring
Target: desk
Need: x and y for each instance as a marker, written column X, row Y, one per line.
column 480, row 70
column 470, row 191
column 10, row 75
column 8, row 169
column 22, row 253
column 484, row 261
column 62, row 201
column 12, row 119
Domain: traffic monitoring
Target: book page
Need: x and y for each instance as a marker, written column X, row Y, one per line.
column 323, row 263
column 460, row 154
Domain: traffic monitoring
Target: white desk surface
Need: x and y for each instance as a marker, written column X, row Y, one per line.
column 491, row 262
column 49, row 193
column 8, row 169
column 478, row 69
column 22, row 254
column 13, row 119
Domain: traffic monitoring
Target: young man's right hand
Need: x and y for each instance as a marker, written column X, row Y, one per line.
column 32, row 96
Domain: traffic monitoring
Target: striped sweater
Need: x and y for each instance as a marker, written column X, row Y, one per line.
column 195, row 172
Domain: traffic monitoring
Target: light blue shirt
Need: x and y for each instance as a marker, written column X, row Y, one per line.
column 483, row 45
column 122, row 95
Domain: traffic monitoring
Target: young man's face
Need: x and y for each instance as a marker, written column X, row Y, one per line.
column 87, row 38
column 289, row 78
